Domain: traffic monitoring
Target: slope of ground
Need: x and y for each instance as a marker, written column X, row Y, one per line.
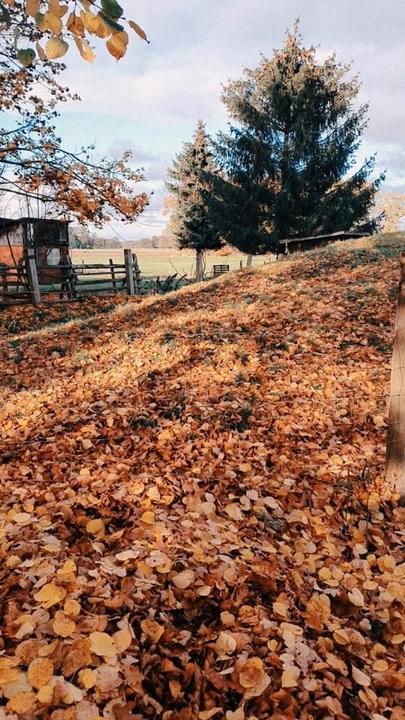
column 194, row 522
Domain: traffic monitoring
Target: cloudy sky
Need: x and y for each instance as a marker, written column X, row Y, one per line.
column 150, row 100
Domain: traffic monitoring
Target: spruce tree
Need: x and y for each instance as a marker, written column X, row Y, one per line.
column 289, row 153
column 193, row 220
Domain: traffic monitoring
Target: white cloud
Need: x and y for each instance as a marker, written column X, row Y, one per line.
column 197, row 46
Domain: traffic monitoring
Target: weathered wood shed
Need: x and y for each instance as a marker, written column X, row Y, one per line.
column 47, row 239
column 291, row 245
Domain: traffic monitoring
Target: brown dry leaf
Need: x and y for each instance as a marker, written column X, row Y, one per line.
column 225, row 644
column 152, row 630
column 107, row 679
column 183, row 579
column 21, row 703
column 8, row 671
column 78, row 656
column 252, row 672
column 45, row 695
column 207, row 714
column 122, row 639
column 318, row 611
column 87, row 678
column 234, row 511
column 148, row 517
column 290, row 677
column 40, row 672
column 95, row 527
column 65, row 692
column 62, row 625
column 102, row 644
column 50, row 594
column 72, row 607
column 356, row 597
column 224, row 570
column 68, row 568
column 360, row 677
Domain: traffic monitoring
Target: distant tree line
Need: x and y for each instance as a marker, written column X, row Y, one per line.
column 81, row 237
column 285, row 168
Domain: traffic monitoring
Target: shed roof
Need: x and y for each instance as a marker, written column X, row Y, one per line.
column 9, row 222
column 332, row 236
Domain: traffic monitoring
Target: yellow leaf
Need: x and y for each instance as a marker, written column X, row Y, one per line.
column 85, row 50
column 117, row 44
column 281, row 608
column 72, row 607
column 252, row 672
column 341, row 637
column 360, row 677
column 290, row 676
column 50, row 594
column 87, row 678
column 90, row 21
column 183, row 579
column 356, row 597
column 21, row 703
column 233, row 511
column 68, row 568
column 52, row 22
column 141, row 33
column 317, row 611
column 45, row 695
column 75, row 25
column 380, row 665
column 95, row 527
column 8, row 674
column 207, row 714
column 32, row 7
column 152, row 629
column 56, row 48
column 62, row 625
column 102, row 644
column 122, row 639
column 40, row 672
column 148, row 517
column 225, row 644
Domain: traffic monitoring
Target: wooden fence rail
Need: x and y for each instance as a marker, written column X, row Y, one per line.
column 32, row 282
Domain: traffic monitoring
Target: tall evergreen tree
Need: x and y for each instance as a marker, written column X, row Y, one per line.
column 193, row 177
column 289, row 154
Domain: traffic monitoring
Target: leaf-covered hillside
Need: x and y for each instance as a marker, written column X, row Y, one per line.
column 193, row 518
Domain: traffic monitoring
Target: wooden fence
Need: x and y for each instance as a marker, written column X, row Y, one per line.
column 35, row 284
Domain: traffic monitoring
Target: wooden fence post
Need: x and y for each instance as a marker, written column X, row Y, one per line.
column 129, row 271
column 32, row 275
column 114, row 283
column 137, row 274
column 395, row 456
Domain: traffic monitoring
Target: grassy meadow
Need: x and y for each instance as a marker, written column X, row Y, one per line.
column 164, row 261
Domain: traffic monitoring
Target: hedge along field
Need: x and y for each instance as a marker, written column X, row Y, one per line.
column 164, row 262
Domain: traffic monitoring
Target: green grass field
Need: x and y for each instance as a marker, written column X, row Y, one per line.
column 164, row 262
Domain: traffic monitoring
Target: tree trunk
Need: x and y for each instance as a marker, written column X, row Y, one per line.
column 249, row 260
column 199, row 265
column 395, row 457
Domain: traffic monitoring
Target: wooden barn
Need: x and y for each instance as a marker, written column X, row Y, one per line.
column 46, row 240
